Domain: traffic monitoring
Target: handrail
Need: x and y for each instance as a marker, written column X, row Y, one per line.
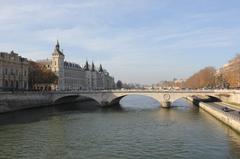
column 123, row 91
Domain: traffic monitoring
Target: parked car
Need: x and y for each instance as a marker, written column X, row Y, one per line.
column 226, row 109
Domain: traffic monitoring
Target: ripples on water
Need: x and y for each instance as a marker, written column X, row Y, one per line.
column 141, row 130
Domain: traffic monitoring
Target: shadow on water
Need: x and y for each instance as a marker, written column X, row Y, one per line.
column 43, row 113
column 130, row 103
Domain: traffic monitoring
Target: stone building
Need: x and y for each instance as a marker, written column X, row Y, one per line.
column 72, row 76
column 98, row 78
column 230, row 73
column 13, row 71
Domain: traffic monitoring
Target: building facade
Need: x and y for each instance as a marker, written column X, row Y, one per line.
column 229, row 74
column 13, row 71
column 72, row 76
column 98, row 78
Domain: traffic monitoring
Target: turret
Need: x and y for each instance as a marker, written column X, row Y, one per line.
column 86, row 67
column 100, row 68
column 57, row 50
column 57, row 46
column 93, row 67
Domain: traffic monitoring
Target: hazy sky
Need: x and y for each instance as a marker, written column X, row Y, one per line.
column 142, row 41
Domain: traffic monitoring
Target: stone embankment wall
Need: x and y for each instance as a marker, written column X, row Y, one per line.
column 17, row 101
column 229, row 119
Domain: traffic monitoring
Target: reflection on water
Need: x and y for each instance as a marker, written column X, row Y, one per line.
column 141, row 130
column 37, row 114
column 138, row 102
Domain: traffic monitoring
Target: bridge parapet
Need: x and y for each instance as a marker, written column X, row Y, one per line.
column 114, row 96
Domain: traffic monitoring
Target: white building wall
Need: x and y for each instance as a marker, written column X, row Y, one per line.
column 57, row 66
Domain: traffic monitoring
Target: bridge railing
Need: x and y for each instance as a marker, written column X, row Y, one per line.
column 120, row 91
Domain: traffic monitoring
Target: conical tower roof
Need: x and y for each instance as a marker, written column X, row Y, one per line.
column 93, row 67
column 57, row 50
column 100, row 68
column 86, row 67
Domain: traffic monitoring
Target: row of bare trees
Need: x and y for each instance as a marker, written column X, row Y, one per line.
column 226, row 77
column 201, row 79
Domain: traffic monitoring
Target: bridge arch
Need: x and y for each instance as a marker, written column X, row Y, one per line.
column 104, row 98
column 214, row 98
column 164, row 98
column 211, row 97
column 63, row 99
column 115, row 99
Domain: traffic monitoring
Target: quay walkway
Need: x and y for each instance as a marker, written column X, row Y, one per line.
column 228, row 114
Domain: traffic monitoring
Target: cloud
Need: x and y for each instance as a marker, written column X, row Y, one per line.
column 127, row 36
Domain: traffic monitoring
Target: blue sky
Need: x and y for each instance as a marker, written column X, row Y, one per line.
column 141, row 41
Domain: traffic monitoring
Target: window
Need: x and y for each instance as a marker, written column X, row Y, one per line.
column 17, row 84
column 6, row 83
column 11, row 71
column 25, row 84
column 11, row 84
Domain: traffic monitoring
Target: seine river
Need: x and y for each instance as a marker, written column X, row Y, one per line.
column 141, row 130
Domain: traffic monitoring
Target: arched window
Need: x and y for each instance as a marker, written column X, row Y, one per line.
column 6, row 83
column 25, row 84
column 16, row 84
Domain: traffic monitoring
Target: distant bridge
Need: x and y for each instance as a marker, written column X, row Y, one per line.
column 165, row 98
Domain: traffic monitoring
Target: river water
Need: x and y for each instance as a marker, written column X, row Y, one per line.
column 141, row 130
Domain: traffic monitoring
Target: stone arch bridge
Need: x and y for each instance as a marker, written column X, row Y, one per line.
column 165, row 98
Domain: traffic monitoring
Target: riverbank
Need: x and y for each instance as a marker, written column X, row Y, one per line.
column 227, row 115
column 10, row 102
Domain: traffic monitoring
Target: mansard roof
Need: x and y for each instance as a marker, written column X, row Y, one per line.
column 13, row 56
column 71, row 65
